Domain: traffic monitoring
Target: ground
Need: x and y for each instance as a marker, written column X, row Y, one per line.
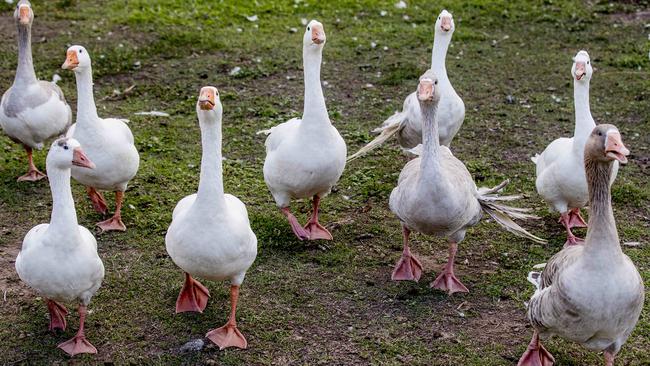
column 326, row 303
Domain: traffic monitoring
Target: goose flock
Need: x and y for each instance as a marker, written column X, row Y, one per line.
column 590, row 292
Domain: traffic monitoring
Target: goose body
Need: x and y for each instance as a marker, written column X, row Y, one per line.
column 591, row 294
column 560, row 170
column 306, row 157
column 210, row 234
column 32, row 111
column 407, row 124
column 108, row 142
column 436, row 195
column 59, row 260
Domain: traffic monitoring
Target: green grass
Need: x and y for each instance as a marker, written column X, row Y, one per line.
column 326, row 303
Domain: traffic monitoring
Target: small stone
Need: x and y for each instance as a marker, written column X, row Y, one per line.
column 510, row 99
column 193, row 346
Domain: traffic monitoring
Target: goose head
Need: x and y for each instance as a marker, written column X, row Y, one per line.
column 582, row 70
column 24, row 14
column 77, row 59
column 66, row 152
column 314, row 37
column 208, row 106
column 445, row 23
column 428, row 91
column 605, row 145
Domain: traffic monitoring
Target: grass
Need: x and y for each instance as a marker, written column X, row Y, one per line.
column 326, row 303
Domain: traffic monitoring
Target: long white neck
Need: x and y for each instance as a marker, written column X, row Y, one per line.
column 602, row 236
column 86, row 109
column 25, row 74
column 315, row 111
column 584, row 122
column 430, row 164
column 438, row 56
column 210, row 192
column 64, row 216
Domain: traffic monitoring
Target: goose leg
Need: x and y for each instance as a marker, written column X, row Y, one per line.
column 193, row 296
column 447, row 281
column 33, row 174
column 575, row 220
column 609, row 358
column 115, row 222
column 408, row 268
column 313, row 227
column 99, row 203
column 229, row 335
column 571, row 239
column 57, row 315
column 78, row 344
column 297, row 229
column 536, row 354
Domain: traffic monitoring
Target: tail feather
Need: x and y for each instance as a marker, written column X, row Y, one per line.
column 264, row 132
column 534, row 158
column 56, row 78
column 389, row 128
column 504, row 214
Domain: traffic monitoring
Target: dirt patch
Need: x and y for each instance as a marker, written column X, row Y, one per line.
column 639, row 16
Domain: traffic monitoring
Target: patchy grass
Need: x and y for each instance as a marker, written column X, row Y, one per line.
column 326, row 303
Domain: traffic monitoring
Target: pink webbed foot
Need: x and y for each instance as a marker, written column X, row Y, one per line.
column 57, row 315
column 32, row 175
column 317, row 231
column 227, row 336
column 193, row 296
column 78, row 344
column 98, row 201
column 113, row 224
column 573, row 240
column 297, row 229
column 536, row 355
column 408, row 268
column 575, row 220
column 448, row 282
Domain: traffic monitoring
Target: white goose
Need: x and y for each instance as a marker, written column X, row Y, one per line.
column 560, row 169
column 407, row 124
column 59, row 260
column 108, row 142
column 32, row 111
column 591, row 294
column 436, row 195
column 306, row 157
column 210, row 235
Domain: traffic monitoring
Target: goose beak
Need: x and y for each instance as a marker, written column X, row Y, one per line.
column 614, row 147
column 317, row 34
column 580, row 70
column 80, row 159
column 71, row 61
column 425, row 89
column 207, row 99
column 445, row 24
column 24, row 14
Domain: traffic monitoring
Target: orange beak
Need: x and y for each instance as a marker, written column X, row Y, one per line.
column 207, row 99
column 445, row 24
column 425, row 89
column 580, row 70
column 614, row 147
column 80, row 159
column 317, row 34
column 71, row 61
column 24, row 14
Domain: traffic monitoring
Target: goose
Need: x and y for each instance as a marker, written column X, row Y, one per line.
column 59, row 260
column 407, row 124
column 306, row 157
column 436, row 195
column 32, row 111
column 210, row 235
column 591, row 294
column 108, row 142
column 560, row 169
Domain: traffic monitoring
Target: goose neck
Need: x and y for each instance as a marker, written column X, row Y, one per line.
column 64, row 215
column 430, row 139
column 211, row 191
column 438, row 56
column 86, row 109
column 25, row 73
column 314, row 107
column 601, row 233
column 584, row 121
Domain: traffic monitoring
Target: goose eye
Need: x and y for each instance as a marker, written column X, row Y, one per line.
column 81, row 51
column 600, row 133
column 436, row 82
column 65, row 147
column 588, row 62
column 308, row 28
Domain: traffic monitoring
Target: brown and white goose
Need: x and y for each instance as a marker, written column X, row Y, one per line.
column 591, row 294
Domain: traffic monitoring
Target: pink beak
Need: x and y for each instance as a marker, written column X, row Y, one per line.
column 614, row 147
column 79, row 158
column 580, row 70
column 445, row 24
column 425, row 90
column 317, row 34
